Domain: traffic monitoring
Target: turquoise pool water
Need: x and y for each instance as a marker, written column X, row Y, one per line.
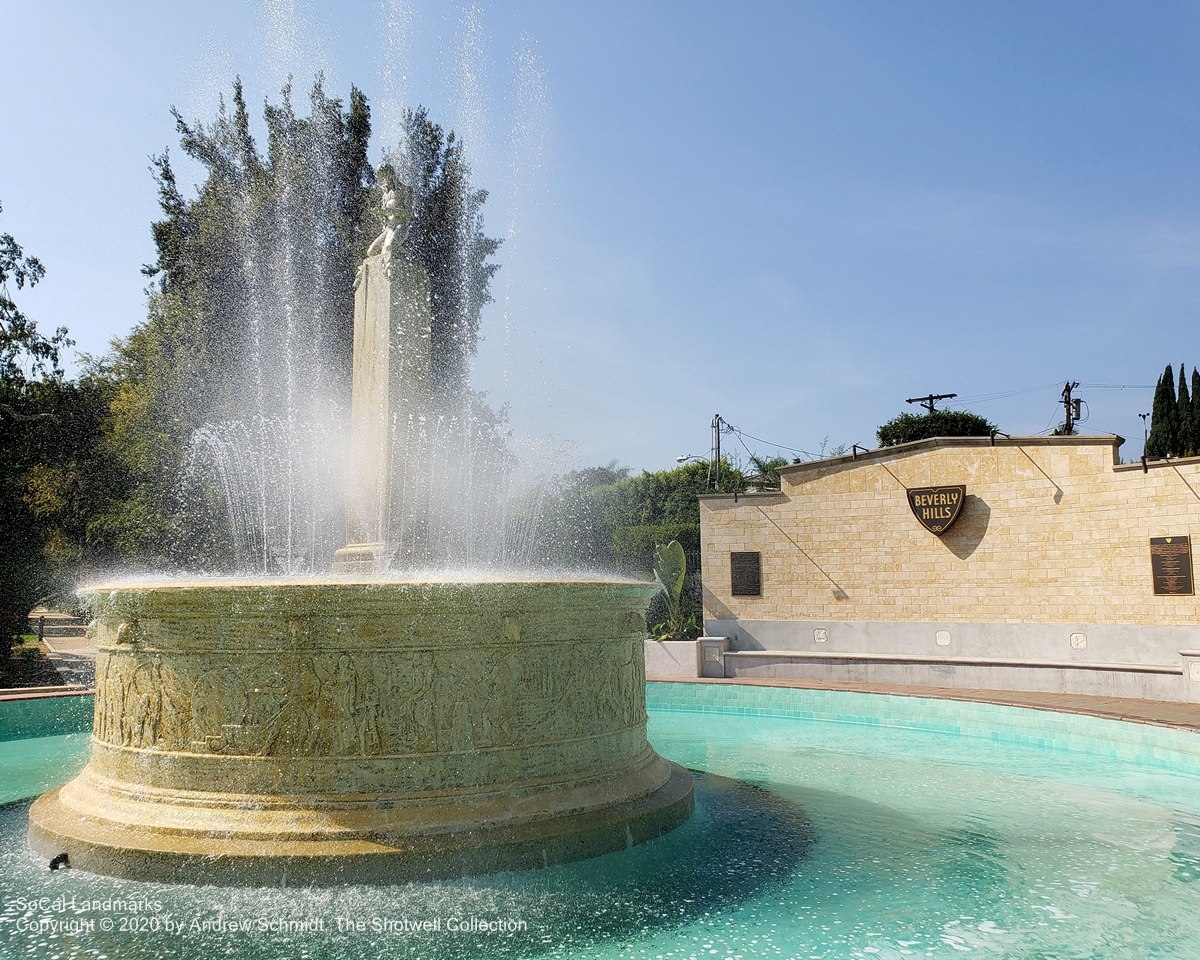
column 828, row 825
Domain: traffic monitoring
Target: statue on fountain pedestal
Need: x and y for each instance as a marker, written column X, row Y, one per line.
column 390, row 417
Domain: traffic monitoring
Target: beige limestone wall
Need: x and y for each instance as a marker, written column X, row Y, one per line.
column 1052, row 532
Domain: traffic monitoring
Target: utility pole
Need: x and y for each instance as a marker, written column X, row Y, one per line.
column 1145, row 429
column 716, row 450
column 1071, row 407
column 929, row 401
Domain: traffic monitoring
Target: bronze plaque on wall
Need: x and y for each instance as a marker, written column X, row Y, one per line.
column 937, row 507
column 1171, row 565
column 745, row 574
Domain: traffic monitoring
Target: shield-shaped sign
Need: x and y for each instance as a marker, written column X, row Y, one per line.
column 937, row 507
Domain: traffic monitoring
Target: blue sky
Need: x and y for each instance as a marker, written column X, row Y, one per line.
column 793, row 214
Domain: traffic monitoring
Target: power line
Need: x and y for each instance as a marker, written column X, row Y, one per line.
column 1006, row 394
column 739, row 434
column 961, row 401
column 1049, row 427
column 988, row 397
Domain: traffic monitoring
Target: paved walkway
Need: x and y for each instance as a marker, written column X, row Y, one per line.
column 74, row 657
column 1162, row 712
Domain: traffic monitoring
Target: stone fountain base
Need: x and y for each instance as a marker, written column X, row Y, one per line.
column 337, row 731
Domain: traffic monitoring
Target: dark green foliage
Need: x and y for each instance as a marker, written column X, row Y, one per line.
column 633, row 547
column 602, row 517
column 766, row 471
column 264, row 232
column 1195, row 412
column 1163, row 440
column 251, row 309
column 446, row 237
column 251, row 304
column 574, row 529
column 22, row 347
column 1184, row 431
column 24, row 572
column 56, row 487
column 54, row 477
column 1175, row 416
column 663, row 496
column 908, row 427
column 679, row 620
column 634, row 554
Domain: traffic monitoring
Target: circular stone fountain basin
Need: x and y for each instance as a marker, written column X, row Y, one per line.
column 310, row 732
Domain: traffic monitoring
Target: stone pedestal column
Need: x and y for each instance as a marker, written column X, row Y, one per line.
column 389, row 475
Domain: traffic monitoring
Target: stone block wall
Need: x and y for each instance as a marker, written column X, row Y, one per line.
column 1052, row 547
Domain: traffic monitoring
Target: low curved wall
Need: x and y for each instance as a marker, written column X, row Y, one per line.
column 261, row 729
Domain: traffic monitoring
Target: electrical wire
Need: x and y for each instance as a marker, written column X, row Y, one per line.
column 958, row 403
column 988, row 397
column 740, row 434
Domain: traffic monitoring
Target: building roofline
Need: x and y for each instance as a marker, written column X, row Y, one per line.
column 880, row 454
column 931, row 443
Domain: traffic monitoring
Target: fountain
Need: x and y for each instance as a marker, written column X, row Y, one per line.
column 308, row 732
column 366, row 726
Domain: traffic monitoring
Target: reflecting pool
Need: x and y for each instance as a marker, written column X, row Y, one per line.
column 826, row 825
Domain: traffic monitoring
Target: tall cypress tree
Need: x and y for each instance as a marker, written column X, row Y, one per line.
column 1195, row 444
column 1184, row 445
column 1161, row 442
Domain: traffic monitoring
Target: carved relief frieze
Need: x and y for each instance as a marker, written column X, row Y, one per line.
column 328, row 688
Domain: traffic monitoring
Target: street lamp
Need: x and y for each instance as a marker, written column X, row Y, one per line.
column 689, row 458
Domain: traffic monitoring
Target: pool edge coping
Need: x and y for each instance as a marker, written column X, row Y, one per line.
column 1125, row 710
column 1146, row 712
column 43, row 693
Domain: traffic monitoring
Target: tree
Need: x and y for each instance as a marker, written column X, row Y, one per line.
column 24, row 352
column 24, row 572
column 256, row 273
column 249, row 339
column 1162, row 441
column 603, row 517
column 664, row 496
column 446, row 238
column 908, row 427
column 29, row 362
column 1195, row 411
column 70, row 483
column 766, row 470
column 1184, row 443
column 250, row 321
column 574, row 531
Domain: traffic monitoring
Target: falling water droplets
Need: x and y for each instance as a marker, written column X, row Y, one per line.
column 397, row 22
